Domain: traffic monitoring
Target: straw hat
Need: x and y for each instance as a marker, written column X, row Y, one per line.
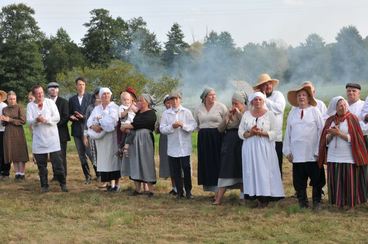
column 292, row 95
column 264, row 78
column 3, row 96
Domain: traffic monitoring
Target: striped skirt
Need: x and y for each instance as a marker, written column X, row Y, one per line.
column 347, row 184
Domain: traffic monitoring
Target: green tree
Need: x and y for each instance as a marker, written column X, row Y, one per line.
column 163, row 86
column 309, row 61
column 102, row 35
column 175, row 47
column 20, row 57
column 349, row 56
column 117, row 76
column 60, row 54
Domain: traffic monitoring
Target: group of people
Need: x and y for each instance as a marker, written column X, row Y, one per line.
column 241, row 147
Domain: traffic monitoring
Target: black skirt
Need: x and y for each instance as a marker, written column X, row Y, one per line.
column 231, row 155
column 209, row 154
column 109, row 176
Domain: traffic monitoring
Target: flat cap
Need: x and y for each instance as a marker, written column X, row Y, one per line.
column 353, row 85
column 52, row 84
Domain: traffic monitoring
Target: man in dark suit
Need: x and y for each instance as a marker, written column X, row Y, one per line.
column 63, row 108
column 77, row 109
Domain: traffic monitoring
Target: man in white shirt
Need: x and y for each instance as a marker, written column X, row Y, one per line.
column 4, row 168
column 43, row 116
column 353, row 98
column 303, row 130
column 178, row 124
column 276, row 103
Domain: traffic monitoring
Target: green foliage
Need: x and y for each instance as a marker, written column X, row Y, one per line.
column 175, row 47
column 20, row 58
column 117, row 76
column 103, row 31
column 162, row 87
column 60, row 54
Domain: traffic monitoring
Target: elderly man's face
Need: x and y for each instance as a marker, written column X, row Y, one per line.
column 267, row 88
column 353, row 94
column 53, row 91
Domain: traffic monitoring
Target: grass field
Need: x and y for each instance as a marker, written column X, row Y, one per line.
column 87, row 214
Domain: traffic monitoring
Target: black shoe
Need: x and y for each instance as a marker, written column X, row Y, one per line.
column 189, row 195
column 114, row 189
column 44, row 189
column 53, row 179
column 173, row 192
column 303, row 205
column 179, row 196
column 22, row 177
column 88, row 181
column 64, row 188
column 150, row 194
column 135, row 193
column 317, row 206
column 17, row 177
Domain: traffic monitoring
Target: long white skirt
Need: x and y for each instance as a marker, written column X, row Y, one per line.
column 261, row 173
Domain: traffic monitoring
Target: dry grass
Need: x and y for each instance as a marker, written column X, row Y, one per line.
column 87, row 215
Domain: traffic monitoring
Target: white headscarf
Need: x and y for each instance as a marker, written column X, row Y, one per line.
column 104, row 90
column 260, row 95
column 331, row 110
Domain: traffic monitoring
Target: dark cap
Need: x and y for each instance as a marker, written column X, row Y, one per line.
column 175, row 94
column 353, row 85
column 53, row 84
column 96, row 91
column 131, row 91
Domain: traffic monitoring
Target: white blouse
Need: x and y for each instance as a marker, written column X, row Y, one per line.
column 266, row 122
column 339, row 150
column 302, row 134
column 107, row 117
column 45, row 136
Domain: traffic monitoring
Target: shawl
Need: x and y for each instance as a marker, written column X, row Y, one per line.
column 359, row 150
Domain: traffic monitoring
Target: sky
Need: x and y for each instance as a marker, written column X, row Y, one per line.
column 246, row 20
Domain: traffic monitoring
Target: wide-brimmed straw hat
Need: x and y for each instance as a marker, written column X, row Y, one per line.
column 292, row 95
column 264, row 78
column 3, row 96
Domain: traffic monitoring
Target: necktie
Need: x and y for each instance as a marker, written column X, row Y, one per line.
column 302, row 114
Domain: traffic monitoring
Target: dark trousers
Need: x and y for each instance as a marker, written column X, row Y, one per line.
column 57, row 165
column 278, row 147
column 179, row 165
column 83, row 152
column 4, row 168
column 301, row 173
column 63, row 146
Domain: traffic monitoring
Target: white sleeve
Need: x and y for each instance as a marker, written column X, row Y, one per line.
column 165, row 127
column 277, row 106
column 189, row 125
column 274, row 127
column 364, row 111
column 31, row 119
column 55, row 116
column 242, row 128
column 287, row 140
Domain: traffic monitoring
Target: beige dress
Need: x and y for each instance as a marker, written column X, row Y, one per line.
column 15, row 145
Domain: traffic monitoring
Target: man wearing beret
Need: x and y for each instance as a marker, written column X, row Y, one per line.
column 63, row 108
column 353, row 97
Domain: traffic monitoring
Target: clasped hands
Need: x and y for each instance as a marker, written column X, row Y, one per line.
column 177, row 124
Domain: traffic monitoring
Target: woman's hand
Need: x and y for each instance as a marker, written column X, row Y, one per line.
column 335, row 131
column 290, row 157
column 96, row 128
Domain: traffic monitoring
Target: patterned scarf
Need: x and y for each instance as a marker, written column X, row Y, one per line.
column 359, row 150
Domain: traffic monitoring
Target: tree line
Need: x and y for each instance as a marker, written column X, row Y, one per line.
column 115, row 52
